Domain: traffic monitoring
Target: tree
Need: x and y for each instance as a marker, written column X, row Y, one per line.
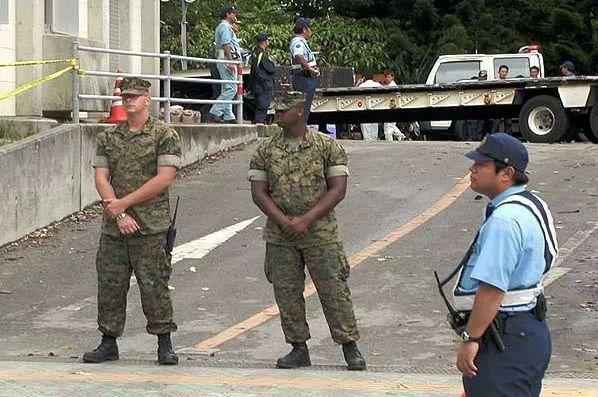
column 404, row 35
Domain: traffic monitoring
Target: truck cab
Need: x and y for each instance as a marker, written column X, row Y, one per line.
column 465, row 67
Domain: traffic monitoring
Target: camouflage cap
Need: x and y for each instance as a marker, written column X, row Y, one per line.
column 289, row 100
column 135, row 86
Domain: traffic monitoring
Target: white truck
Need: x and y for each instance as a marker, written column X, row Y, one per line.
column 545, row 109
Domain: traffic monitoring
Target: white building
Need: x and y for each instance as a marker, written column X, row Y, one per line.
column 45, row 29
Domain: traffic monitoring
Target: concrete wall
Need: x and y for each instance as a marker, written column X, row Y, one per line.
column 40, row 181
column 57, row 94
column 49, row 176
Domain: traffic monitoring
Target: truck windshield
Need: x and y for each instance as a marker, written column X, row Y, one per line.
column 454, row 71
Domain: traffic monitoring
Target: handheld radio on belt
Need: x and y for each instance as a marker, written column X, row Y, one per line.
column 458, row 319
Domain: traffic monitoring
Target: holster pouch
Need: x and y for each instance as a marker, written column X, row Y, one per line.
column 541, row 308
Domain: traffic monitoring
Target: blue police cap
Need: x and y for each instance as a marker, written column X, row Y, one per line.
column 262, row 36
column 302, row 23
column 225, row 10
column 569, row 65
column 503, row 148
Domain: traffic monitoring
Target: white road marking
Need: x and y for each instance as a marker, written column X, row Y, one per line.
column 566, row 250
column 195, row 249
column 199, row 248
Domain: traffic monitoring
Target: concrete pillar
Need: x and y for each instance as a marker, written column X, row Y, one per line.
column 98, row 20
column 134, row 27
column 125, row 35
column 29, row 30
column 150, row 32
column 83, row 19
column 8, row 54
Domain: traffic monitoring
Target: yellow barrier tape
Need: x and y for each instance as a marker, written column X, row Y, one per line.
column 28, row 63
column 74, row 62
column 33, row 84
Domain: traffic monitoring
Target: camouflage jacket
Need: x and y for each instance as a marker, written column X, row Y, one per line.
column 133, row 158
column 296, row 173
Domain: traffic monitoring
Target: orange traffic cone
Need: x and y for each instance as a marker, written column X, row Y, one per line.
column 240, row 86
column 117, row 110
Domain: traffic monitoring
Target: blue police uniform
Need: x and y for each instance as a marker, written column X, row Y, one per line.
column 513, row 250
column 302, row 80
column 225, row 35
column 263, row 70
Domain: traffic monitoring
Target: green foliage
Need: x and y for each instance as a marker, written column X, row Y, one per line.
column 7, row 132
column 403, row 35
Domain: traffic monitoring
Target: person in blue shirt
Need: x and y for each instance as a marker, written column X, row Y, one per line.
column 568, row 69
column 303, row 63
column 500, row 283
column 227, row 47
column 263, row 71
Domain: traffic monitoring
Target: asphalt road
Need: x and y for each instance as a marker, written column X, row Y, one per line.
column 51, row 282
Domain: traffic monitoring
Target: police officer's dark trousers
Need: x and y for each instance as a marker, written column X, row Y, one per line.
column 518, row 371
column 307, row 85
column 262, row 103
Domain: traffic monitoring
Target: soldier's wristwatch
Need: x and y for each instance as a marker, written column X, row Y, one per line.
column 120, row 216
column 468, row 338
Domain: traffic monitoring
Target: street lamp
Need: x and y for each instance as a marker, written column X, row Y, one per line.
column 184, row 5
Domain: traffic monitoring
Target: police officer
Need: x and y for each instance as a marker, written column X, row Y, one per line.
column 263, row 69
column 568, row 69
column 227, row 47
column 297, row 178
column 303, row 63
column 135, row 164
column 500, row 283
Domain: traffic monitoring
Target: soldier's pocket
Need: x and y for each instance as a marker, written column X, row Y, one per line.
column 345, row 269
column 268, row 263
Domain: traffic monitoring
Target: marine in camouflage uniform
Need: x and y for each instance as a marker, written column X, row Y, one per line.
column 132, row 158
column 290, row 175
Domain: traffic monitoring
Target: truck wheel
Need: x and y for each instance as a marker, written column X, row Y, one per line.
column 543, row 119
column 592, row 133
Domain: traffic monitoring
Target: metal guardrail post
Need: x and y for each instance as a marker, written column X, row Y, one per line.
column 240, row 94
column 167, row 87
column 76, row 83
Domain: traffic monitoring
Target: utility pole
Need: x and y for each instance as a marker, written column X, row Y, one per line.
column 184, row 7
column 184, row 4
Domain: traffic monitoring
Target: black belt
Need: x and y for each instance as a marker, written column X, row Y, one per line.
column 515, row 313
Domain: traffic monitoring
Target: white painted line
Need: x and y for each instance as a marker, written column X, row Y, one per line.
column 555, row 274
column 199, row 248
column 195, row 249
column 566, row 250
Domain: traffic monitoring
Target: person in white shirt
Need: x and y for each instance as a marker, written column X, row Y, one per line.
column 369, row 130
column 391, row 129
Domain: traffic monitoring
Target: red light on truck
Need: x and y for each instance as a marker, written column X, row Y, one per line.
column 530, row 48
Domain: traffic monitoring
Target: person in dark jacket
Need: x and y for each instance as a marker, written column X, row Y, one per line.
column 263, row 69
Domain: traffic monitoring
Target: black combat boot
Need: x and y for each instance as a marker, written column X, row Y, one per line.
column 298, row 357
column 354, row 359
column 166, row 356
column 106, row 351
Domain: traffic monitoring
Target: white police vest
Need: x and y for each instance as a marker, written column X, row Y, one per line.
column 311, row 58
column 520, row 297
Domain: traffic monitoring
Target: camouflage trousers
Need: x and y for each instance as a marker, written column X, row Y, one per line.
column 329, row 270
column 117, row 259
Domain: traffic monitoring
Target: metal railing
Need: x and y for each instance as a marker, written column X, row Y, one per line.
column 166, row 76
